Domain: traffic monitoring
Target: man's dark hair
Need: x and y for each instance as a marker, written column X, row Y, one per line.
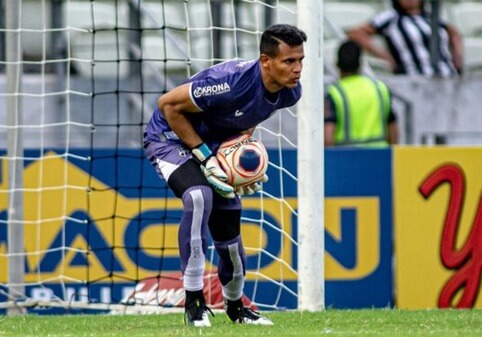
column 396, row 5
column 276, row 34
column 349, row 54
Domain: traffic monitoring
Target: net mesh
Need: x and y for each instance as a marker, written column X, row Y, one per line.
column 99, row 226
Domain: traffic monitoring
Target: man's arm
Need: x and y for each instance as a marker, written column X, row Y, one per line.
column 392, row 134
column 456, row 47
column 175, row 105
column 329, row 134
column 363, row 36
column 330, row 123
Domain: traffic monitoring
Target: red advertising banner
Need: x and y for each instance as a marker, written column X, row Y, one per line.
column 438, row 227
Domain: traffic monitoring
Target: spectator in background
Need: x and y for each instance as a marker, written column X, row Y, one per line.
column 407, row 30
column 358, row 109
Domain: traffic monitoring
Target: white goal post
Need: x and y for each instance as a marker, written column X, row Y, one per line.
column 84, row 221
column 311, row 162
column 15, row 229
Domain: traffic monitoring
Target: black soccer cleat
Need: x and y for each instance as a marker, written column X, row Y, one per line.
column 196, row 314
column 237, row 313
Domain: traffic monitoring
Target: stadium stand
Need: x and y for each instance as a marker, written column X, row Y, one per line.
column 346, row 15
column 467, row 17
column 112, row 49
column 472, row 55
column 36, row 42
column 92, row 34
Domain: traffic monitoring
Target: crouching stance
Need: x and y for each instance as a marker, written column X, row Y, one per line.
column 184, row 132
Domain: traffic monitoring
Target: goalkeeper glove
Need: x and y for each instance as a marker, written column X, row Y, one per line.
column 251, row 189
column 213, row 172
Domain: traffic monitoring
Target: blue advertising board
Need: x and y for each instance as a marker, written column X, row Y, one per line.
column 127, row 201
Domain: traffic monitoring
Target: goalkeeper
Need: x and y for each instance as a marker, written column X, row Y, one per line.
column 181, row 139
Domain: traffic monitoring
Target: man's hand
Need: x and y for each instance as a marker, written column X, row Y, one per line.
column 251, row 189
column 213, row 172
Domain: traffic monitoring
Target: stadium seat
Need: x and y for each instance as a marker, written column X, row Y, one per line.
column 173, row 35
column 467, row 17
column 107, row 46
column 36, row 17
column 89, row 15
column 472, row 55
column 346, row 15
column 287, row 11
column 157, row 14
column 330, row 49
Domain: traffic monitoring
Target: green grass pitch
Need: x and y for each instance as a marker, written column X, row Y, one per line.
column 369, row 322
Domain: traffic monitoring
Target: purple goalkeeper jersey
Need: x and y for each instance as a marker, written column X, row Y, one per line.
column 232, row 98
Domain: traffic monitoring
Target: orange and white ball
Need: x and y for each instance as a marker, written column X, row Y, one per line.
column 244, row 159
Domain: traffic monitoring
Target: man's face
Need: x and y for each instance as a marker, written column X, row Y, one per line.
column 283, row 70
column 410, row 5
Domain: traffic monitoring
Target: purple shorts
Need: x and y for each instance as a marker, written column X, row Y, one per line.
column 168, row 155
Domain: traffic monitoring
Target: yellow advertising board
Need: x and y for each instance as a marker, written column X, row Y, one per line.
column 367, row 247
column 438, row 227
column 98, row 228
column 69, row 226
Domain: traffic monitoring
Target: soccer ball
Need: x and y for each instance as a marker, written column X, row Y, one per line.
column 244, row 159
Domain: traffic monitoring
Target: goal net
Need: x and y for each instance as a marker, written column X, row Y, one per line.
column 85, row 223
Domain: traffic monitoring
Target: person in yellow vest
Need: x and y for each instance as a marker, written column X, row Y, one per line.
column 358, row 109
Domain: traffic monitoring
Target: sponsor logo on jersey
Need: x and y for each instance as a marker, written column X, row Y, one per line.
column 183, row 152
column 238, row 113
column 211, row 90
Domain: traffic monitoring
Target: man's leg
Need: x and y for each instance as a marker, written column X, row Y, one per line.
column 175, row 165
column 225, row 227
column 190, row 184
